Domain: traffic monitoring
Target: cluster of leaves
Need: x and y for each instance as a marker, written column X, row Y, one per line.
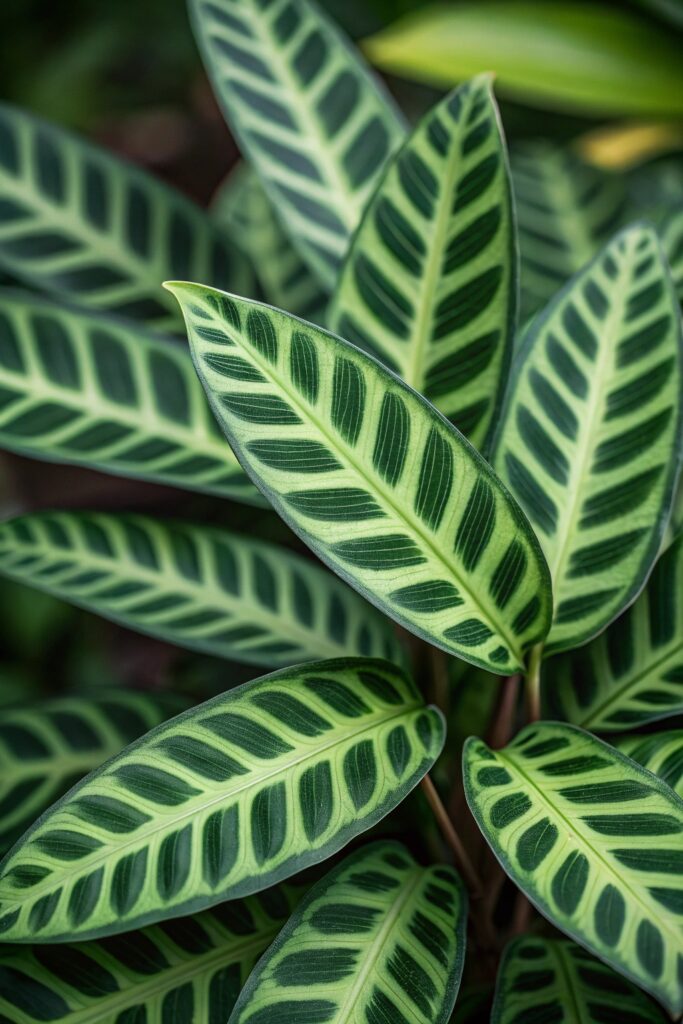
column 500, row 484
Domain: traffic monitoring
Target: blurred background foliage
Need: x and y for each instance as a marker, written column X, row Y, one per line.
column 127, row 75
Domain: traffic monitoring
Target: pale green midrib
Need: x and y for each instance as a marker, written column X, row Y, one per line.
column 623, row 688
column 241, row 606
column 102, row 243
column 249, row 783
column 579, row 476
column 411, row 523
column 654, row 911
column 62, row 763
column 574, row 224
column 376, row 950
column 171, row 978
column 349, row 208
column 569, row 987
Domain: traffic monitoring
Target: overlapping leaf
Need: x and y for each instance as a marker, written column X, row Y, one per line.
column 566, row 210
column 377, row 939
column 80, row 224
column 594, row 841
column 372, row 478
column 633, row 673
column 314, row 123
column 180, row 972
column 199, row 587
column 96, row 391
column 243, row 209
column 45, row 748
column 588, row 441
column 659, row 752
column 430, row 283
column 669, row 223
column 223, row 801
column 553, row 980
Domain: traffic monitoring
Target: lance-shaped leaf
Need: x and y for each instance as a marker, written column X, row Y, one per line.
column 368, row 473
column 92, row 390
column 588, row 440
column 430, row 282
column 379, row 938
column 669, row 221
column 313, row 121
column 246, row 213
column 594, row 841
column 45, row 748
column 81, row 224
column 184, row 971
column 566, row 211
column 633, row 673
column 659, row 752
column 553, row 980
column 195, row 586
column 223, row 801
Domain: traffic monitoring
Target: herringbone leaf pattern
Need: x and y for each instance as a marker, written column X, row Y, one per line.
column 589, row 439
column 659, row 752
column 372, row 478
column 430, row 283
column 223, row 801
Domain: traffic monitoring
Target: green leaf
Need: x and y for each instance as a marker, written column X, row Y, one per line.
column 633, row 673
column 372, row 478
column 187, row 970
column 550, row 979
column 82, row 225
column 571, row 56
column 593, row 840
column 195, row 586
column 669, row 222
column 96, row 391
column 588, row 439
column 222, row 801
column 429, row 286
column 47, row 747
column 566, row 210
column 243, row 209
column 312, row 120
column 377, row 939
column 659, row 752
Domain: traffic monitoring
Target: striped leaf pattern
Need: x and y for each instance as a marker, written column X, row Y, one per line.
column 378, row 939
column 186, row 971
column 308, row 114
column 430, row 283
column 594, row 841
column 588, row 441
column 222, row 801
column 670, row 226
column 92, row 390
column 244, row 211
column 82, row 225
column 556, row 981
column 633, row 673
column 566, row 211
column 372, row 478
column 195, row 586
column 659, row 752
column 45, row 748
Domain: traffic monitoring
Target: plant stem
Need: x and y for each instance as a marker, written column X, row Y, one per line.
column 533, row 683
column 503, row 720
column 452, row 838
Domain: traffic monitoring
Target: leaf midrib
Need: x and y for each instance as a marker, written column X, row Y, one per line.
column 234, row 794
column 631, row 682
column 653, row 911
column 568, row 984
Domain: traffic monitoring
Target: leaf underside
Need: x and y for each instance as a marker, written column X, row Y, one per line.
column 196, row 586
column 633, row 673
column 429, row 286
column 377, row 939
column 588, row 440
column 84, row 226
column 308, row 114
column 372, row 478
column 223, row 801
column 594, row 841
